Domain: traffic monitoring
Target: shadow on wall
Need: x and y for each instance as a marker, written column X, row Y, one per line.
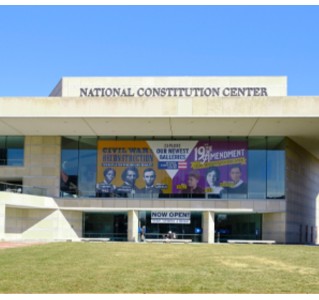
column 72, row 222
column 19, row 220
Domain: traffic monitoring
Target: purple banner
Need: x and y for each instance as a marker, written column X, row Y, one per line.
column 214, row 168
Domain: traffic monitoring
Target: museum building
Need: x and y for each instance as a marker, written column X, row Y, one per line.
column 211, row 159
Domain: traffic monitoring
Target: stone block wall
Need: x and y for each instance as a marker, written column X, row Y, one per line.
column 42, row 163
column 302, row 190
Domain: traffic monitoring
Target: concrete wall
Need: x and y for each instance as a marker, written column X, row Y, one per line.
column 247, row 205
column 69, row 224
column 42, row 224
column 12, row 172
column 70, row 86
column 132, row 222
column 2, row 220
column 27, row 217
column 302, row 190
column 208, row 225
column 42, row 157
column 55, row 108
column 274, row 227
column 42, row 163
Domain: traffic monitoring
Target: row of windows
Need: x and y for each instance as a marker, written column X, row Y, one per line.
column 265, row 167
column 265, row 170
column 231, row 226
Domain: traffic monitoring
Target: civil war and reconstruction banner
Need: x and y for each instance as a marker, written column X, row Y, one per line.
column 172, row 167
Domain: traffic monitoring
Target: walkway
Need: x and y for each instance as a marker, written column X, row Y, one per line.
column 5, row 245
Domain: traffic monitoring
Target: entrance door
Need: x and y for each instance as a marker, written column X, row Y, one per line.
column 191, row 231
column 237, row 227
column 105, row 225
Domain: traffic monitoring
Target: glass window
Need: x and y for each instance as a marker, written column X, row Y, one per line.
column 3, row 151
column 238, row 226
column 12, row 150
column 275, row 174
column 275, row 168
column 87, row 167
column 78, row 170
column 105, row 225
column 182, row 231
column 69, row 167
column 257, row 168
column 257, row 172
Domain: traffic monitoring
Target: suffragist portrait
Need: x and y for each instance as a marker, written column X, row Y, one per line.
column 192, row 184
column 238, row 186
column 212, row 179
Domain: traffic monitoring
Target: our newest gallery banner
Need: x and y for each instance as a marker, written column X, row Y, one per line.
column 172, row 167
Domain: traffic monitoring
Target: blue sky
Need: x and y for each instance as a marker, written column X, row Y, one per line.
column 40, row 44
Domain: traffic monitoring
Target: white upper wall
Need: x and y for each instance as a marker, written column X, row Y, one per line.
column 171, row 87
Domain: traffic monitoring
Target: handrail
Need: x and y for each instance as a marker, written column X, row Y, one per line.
column 22, row 189
column 11, row 162
column 82, row 193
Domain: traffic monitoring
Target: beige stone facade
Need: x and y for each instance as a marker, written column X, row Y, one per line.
column 226, row 86
column 43, row 121
column 302, row 177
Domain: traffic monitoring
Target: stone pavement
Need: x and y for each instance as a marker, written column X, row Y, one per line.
column 5, row 245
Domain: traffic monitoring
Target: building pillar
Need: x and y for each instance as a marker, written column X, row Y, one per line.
column 208, row 224
column 43, row 164
column 132, row 226
column 316, row 229
column 274, row 227
column 2, row 220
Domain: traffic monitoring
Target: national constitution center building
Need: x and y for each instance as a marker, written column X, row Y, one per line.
column 212, row 159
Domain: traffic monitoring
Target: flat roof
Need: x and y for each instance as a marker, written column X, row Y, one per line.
column 294, row 117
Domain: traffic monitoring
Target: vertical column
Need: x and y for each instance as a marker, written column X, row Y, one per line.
column 208, row 224
column 2, row 220
column 132, row 226
column 316, row 233
column 43, row 162
column 274, row 228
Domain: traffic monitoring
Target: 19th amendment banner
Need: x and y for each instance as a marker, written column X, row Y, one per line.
column 172, row 167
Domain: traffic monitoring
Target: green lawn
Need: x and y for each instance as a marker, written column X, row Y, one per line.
column 159, row 268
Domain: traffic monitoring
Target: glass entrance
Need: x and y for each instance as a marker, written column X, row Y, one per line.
column 191, row 231
column 238, row 227
column 105, row 225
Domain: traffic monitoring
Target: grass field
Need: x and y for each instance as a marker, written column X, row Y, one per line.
column 159, row 268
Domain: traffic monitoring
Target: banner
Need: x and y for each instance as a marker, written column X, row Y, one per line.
column 170, row 217
column 172, row 167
